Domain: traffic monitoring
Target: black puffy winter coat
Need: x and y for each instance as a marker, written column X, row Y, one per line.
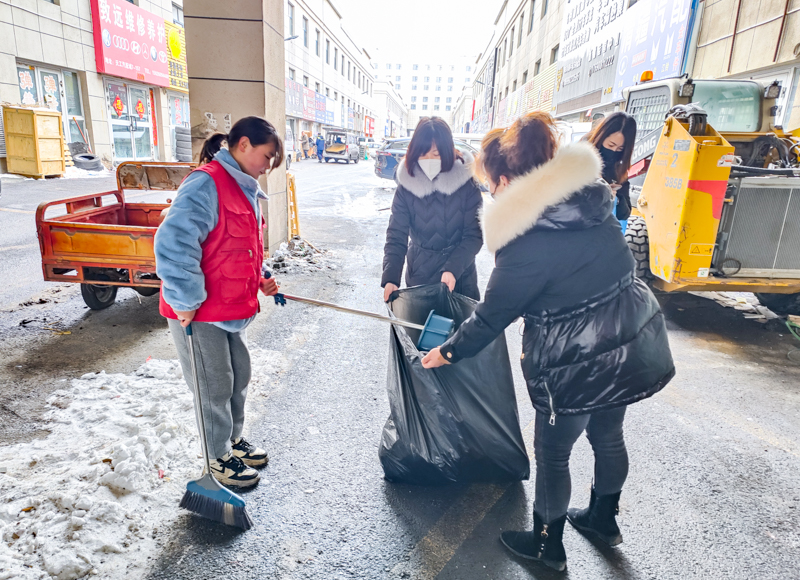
column 595, row 337
column 434, row 227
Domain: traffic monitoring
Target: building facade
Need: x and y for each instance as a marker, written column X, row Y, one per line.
column 392, row 113
column 329, row 82
column 116, row 70
column 516, row 73
column 428, row 89
column 751, row 39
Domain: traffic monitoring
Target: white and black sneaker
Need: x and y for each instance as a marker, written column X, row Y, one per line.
column 249, row 454
column 229, row 470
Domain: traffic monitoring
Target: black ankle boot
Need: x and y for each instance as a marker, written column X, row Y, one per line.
column 600, row 518
column 544, row 544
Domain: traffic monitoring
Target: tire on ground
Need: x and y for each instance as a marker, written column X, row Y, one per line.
column 782, row 304
column 183, row 131
column 180, row 149
column 185, row 139
column 639, row 244
column 88, row 162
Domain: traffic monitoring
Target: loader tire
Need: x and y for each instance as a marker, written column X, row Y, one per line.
column 638, row 242
column 783, row 304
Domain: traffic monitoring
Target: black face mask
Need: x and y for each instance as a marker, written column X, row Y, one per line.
column 610, row 158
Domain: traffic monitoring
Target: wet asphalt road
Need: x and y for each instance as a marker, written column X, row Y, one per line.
column 714, row 487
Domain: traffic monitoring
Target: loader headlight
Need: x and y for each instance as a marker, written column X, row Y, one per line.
column 773, row 91
column 686, row 89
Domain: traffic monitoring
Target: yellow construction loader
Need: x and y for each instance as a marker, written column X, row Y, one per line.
column 718, row 186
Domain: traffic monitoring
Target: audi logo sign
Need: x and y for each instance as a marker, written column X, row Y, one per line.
column 121, row 43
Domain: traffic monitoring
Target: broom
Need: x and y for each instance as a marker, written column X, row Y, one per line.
column 206, row 496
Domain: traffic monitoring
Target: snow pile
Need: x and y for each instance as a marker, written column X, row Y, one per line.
column 300, row 257
column 88, row 500
column 77, row 173
column 743, row 301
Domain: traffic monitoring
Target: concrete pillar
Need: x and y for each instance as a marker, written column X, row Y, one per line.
column 235, row 57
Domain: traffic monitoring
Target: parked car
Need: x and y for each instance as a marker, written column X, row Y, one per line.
column 388, row 157
column 473, row 139
column 341, row 145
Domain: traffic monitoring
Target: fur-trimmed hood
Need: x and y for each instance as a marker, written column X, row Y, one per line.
column 446, row 182
column 564, row 193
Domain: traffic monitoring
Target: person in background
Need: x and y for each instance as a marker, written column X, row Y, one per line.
column 595, row 339
column 304, row 144
column 436, row 206
column 209, row 251
column 320, row 147
column 613, row 138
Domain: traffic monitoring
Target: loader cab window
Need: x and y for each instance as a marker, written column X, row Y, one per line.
column 732, row 106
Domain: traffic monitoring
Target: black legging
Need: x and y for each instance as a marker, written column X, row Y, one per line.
column 553, row 445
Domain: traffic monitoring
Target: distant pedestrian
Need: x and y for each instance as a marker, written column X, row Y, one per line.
column 208, row 252
column 436, row 206
column 320, row 147
column 595, row 338
column 305, row 145
column 613, row 138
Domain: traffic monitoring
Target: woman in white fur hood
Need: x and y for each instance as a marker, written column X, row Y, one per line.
column 595, row 339
column 434, row 229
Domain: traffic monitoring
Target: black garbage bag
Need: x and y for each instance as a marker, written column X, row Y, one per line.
column 457, row 423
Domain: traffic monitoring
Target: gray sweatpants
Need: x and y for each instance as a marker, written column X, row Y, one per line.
column 223, row 369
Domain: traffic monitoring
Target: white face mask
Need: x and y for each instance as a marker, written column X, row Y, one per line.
column 430, row 167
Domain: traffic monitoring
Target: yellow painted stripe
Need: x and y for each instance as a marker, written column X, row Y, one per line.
column 437, row 548
column 22, row 247
column 11, row 210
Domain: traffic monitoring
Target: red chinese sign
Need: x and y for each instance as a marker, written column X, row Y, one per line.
column 140, row 109
column 118, row 105
column 129, row 42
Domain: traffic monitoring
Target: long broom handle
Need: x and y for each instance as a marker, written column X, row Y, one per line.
column 354, row 311
column 198, row 407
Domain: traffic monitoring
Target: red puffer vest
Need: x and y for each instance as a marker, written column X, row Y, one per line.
column 232, row 255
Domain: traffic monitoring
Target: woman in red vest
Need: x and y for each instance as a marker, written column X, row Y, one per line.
column 209, row 251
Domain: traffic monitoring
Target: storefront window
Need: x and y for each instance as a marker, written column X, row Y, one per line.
column 51, row 93
column 28, row 93
column 75, row 120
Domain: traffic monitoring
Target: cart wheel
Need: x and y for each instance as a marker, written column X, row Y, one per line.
column 98, row 297
column 357, row 159
column 146, row 290
column 347, row 161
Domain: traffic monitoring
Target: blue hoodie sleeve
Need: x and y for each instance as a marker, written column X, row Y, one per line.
column 193, row 214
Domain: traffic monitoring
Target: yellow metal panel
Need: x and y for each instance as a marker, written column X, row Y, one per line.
column 682, row 201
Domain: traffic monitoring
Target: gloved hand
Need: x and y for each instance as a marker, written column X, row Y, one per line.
column 268, row 281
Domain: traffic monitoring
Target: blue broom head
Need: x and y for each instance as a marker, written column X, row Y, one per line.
column 208, row 498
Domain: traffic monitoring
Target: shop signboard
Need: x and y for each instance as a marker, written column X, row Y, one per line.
column 654, row 38
column 309, row 104
column 294, row 98
column 535, row 95
column 129, row 42
column 588, row 53
column 319, row 112
column 176, row 57
column 330, row 107
column 350, row 118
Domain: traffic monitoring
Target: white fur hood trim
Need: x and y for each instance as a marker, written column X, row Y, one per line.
column 445, row 183
column 517, row 209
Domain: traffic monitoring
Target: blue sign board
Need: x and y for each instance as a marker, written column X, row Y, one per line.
column 654, row 38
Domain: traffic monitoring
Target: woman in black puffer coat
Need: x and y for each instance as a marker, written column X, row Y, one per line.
column 436, row 207
column 595, row 339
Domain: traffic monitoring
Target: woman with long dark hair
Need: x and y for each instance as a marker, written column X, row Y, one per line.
column 613, row 138
column 595, row 339
column 209, row 251
column 436, row 206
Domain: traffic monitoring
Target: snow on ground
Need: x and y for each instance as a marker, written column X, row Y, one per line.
column 88, row 500
column 299, row 256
